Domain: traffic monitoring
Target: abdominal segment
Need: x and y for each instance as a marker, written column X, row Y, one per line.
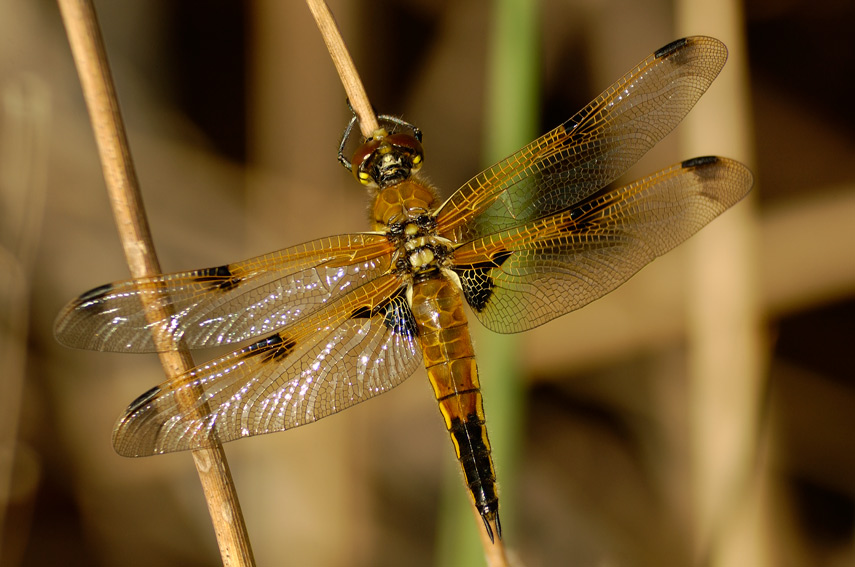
column 450, row 362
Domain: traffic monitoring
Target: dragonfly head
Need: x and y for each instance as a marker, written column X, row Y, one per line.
column 386, row 159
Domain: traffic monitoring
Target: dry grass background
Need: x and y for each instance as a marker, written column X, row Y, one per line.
column 234, row 113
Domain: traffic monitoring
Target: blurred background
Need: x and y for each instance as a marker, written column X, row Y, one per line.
column 702, row 414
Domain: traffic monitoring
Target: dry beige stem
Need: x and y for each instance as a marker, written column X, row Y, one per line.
column 344, row 65
column 90, row 57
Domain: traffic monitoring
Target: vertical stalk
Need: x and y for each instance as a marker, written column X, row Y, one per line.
column 726, row 354
column 90, row 57
column 25, row 112
column 512, row 107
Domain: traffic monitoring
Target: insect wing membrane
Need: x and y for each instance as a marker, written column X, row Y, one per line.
column 356, row 348
column 526, row 276
column 226, row 304
column 591, row 149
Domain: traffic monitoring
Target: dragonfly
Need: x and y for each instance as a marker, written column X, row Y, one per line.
column 333, row 322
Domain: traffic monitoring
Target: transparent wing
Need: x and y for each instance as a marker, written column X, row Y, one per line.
column 226, row 304
column 521, row 278
column 358, row 347
column 590, row 150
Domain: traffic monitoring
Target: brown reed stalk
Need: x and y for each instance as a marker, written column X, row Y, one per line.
column 726, row 343
column 90, row 57
column 344, row 66
column 494, row 551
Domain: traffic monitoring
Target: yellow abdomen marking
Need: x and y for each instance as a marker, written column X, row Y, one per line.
column 450, row 362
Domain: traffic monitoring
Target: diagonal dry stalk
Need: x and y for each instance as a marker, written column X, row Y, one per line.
column 90, row 57
column 344, row 65
column 494, row 551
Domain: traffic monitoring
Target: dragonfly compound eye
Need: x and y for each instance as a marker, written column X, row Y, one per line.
column 362, row 158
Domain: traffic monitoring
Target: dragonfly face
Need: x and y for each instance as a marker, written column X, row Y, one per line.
column 387, row 159
column 333, row 322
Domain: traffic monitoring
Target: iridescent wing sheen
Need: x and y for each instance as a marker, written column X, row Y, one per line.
column 520, row 278
column 226, row 304
column 590, row 150
column 357, row 347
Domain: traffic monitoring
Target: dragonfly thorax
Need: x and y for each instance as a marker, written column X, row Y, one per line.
column 420, row 251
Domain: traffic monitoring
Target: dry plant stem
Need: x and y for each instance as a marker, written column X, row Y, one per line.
column 87, row 47
column 344, row 65
column 495, row 552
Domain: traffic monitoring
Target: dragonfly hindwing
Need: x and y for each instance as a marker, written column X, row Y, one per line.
column 396, row 313
column 476, row 280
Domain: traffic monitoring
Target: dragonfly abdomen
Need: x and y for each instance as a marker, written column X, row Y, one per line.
column 449, row 359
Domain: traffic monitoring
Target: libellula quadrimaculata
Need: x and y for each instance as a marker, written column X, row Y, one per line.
column 336, row 321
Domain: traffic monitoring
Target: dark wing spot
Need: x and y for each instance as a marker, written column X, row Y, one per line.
column 576, row 220
column 361, row 312
column 220, row 277
column 143, row 399
column 580, row 216
column 571, row 125
column 699, row 162
column 275, row 347
column 705, row 168
column 95, row 294
column 476, row 280
column 670, row 48
column 477, row 288
column 398, row 317
column 395, row 311
column 496, row 260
